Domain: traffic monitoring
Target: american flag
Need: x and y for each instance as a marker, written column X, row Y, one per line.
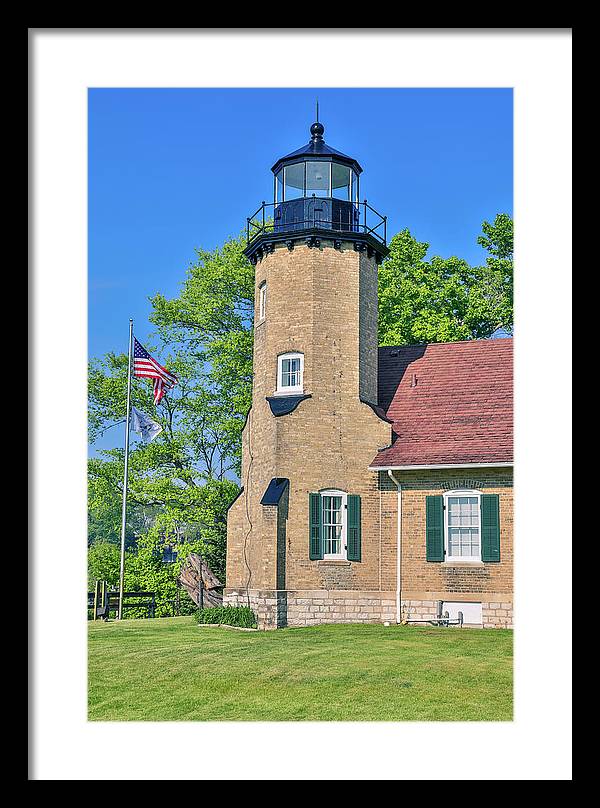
column 144, row 365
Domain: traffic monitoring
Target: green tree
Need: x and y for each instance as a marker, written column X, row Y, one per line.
column 212, row 320
column 183, row 477
column 181, row 484
column 104, row 561
column 498, row 279
column 446, row 299
column 498, row 238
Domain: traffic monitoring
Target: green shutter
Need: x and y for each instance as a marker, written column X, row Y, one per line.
column 490, row 527
column 434, row 528
column 353, row 527
column 315, row 541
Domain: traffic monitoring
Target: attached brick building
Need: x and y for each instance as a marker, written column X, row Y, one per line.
column 377, row 482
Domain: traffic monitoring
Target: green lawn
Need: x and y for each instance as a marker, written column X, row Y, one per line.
column 169, row 669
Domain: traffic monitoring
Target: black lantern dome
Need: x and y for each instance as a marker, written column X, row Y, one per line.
column 317, row 149
column 316, row 171
column 316, row 194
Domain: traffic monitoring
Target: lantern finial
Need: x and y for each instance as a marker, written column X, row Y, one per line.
column 316, row 132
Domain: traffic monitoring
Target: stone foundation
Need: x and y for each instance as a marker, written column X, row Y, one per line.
column 498, row 614
column 494, row 614
column 269, row 606
column 281, row 608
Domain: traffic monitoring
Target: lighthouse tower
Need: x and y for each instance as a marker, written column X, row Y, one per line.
column 305, row 532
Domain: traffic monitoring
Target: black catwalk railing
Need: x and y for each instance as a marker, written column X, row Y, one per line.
column 306, row 213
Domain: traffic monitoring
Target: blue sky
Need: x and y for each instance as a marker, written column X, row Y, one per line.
column 175, row 169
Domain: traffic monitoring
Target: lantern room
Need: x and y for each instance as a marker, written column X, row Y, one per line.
column 316, row 170
column 316, row 191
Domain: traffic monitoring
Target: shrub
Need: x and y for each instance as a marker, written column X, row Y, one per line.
column 240, row 616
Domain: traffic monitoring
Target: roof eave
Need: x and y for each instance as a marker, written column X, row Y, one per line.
column 425, row 466
column 303, row 156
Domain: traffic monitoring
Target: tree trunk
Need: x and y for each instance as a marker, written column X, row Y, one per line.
column 189, row 578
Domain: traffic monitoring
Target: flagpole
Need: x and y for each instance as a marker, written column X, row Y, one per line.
column 124, row 511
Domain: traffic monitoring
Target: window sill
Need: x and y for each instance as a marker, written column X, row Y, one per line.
column 333, row 562
column 463, row 563
column 290, row 391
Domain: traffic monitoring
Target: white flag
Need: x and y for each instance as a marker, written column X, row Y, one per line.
column 144, row 425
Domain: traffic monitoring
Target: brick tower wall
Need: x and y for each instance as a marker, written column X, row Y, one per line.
column 321, row 302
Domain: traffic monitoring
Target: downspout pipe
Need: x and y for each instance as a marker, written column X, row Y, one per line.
column 398, row 548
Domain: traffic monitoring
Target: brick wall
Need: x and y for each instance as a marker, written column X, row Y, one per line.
column 424, row 582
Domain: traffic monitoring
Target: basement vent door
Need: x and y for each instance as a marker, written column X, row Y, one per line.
column 471, row 611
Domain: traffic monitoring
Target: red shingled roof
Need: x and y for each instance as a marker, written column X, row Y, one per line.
column 450, row 403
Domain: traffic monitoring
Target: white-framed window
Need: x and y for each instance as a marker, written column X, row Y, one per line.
column 462, row 525
column 334, row 523
column 290, row 373
column 262, row 301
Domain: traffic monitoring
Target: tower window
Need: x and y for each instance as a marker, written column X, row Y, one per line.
column 290, row 372
column 262, row 301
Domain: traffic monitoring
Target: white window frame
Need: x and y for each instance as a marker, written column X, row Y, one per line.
column 289, row 390
column 262, row 301
column 343, row 554
column 460, row 559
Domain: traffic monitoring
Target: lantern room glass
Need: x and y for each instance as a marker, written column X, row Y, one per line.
column 340, row 182
column 293, row 181
column 318, row 178
column 279, row 186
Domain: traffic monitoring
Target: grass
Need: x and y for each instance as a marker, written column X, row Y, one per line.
column 170, row 669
